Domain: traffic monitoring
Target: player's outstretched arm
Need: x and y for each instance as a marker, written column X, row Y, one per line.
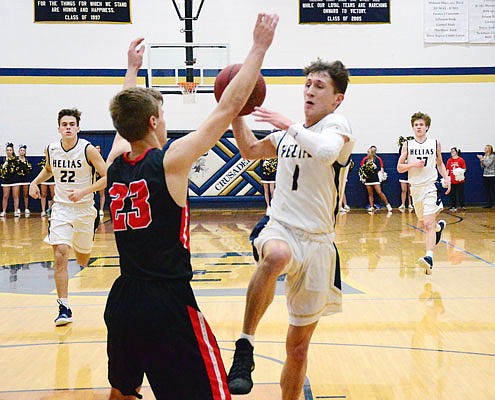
column 250, row 147
column 441, row 168
column 135, row 55
column 401, row 163
column 184, row 151
column 95, row 159
column 402, row 166
column 44, row 175
column 134, row 62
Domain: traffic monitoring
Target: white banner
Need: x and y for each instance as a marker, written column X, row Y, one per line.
column 446, row 21
column 482, row 21
column 459, row 21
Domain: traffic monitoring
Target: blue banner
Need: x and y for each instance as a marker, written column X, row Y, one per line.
column 344, row 11
column 82, row 11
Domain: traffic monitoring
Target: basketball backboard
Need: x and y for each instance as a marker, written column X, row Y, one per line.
column 172, row 63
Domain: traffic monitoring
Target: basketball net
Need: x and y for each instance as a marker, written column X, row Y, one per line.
column 188, row 90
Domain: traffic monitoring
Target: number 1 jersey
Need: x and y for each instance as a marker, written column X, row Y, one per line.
column 307, row 190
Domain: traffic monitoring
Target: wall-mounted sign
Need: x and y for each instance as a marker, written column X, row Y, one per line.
column 82, row 11
column 459, row 21
column 344, row 11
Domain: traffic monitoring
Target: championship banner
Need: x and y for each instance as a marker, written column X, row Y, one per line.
column 344, row 11
column 82, row 11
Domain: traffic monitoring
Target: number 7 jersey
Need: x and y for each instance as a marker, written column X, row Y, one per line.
column 71, row 170
column 426, row 151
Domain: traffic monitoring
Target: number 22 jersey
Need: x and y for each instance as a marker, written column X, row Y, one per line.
column 71, row 170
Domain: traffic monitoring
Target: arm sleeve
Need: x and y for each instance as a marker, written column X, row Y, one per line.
column 325, row 147
column 488, row 161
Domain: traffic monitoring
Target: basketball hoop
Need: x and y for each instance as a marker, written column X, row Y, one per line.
column 188, row 90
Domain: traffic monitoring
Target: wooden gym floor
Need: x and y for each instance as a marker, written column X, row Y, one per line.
column 402, row 335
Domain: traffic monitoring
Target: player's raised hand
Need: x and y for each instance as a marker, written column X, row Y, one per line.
column 135, row 53
column 264, row 30
column 276, row 119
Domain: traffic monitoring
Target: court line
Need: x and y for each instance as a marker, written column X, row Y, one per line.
column 308, row 394
column 408, row 348
column 469, row 353
column 456, row 247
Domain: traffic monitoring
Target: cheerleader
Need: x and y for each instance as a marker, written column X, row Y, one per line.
column 23, row 170
column 10, row 180
column 372, row 174
column 268, row 173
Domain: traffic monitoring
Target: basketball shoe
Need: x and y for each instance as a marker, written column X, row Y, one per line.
column 427, row 263
column 239, row 377
column 64, row 315
column 442, row 224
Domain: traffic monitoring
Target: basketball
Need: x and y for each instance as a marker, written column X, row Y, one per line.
column 255, row 99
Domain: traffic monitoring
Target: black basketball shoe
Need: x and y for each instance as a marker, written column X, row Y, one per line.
column 239, row 377
column 64, row 315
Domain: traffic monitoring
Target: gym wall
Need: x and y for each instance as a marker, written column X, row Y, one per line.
column 46, row 67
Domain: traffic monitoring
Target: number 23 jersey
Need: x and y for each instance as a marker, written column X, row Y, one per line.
column 151, row 230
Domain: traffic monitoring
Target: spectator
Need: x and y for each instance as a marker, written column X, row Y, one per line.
column 456, row 168
column 488, row 164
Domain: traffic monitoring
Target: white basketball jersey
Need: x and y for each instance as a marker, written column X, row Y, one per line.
column 426, row 151
column 308, row 191
column 71, row 170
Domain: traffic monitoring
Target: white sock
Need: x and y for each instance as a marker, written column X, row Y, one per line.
column 248, row 337
column 438, row 228
column 429, row 253
column 65, row 302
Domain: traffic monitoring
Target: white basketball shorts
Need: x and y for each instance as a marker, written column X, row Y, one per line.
column 425, row 200
column 313, row 275
column 73, row 225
